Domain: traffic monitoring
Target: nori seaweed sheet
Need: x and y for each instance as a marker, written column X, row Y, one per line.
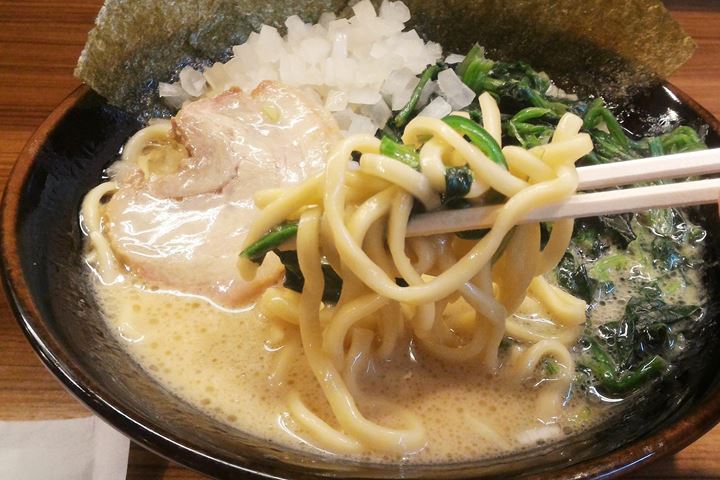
column 607, row 47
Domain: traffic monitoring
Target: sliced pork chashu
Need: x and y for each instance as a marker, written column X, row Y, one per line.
column 279, row 136
column 184, row 230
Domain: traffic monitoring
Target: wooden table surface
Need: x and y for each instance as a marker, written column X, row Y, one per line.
column 39, row 44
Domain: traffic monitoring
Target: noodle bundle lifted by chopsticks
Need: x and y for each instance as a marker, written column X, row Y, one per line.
column 453, row 296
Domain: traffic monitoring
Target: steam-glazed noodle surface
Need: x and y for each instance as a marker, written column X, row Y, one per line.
column 411, row 360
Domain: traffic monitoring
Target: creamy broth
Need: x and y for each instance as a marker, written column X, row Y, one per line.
column 220, row 361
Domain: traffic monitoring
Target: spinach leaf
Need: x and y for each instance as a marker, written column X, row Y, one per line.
column 619, row 338
column 655, row 339
column 602, row 268
column 649, row 308
column 458, row 181
column 275, row 237
column 528, row 135
column 588, row 238
column 400, row 152
column 550, row 367
column 573, row 277
column 408, row 110
column 626, row 354
column 682, row 139
column 478, row 136
column 294, row 279
column 472, row 234
column 596, row 114
column 606, row 149
column 665, row 222
column 666, row 256
column 474, row 69
column 609, row 376
column 621, row 227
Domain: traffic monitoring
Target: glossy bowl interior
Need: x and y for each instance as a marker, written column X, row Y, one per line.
column 46, row 281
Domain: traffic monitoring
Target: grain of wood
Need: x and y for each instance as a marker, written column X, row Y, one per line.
column 39, row 44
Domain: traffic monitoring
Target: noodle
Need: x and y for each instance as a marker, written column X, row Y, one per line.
column 365, row 319
column 456, row 298
column 91, row 220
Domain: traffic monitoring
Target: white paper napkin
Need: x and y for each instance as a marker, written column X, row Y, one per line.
column 76, row 449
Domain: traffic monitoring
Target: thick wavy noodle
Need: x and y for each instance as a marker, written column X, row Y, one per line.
column 101, row 255
column 455, row 298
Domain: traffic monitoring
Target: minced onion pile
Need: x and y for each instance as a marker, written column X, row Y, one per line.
column 362, row 67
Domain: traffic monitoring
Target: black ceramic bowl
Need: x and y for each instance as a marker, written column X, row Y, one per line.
column 46, row 282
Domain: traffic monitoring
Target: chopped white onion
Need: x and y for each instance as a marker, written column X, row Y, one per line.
column 364, row 96
column 326, row 18
column 360, row 124
column 398, row 81
column 269, row 44
column 336, row 100
column 173, row 94
column 438, row 108
column 429, row 88
column 343, row 118
column 556, row 92
column 170, row 89
column 291, row 69
column 379, row 113
column 454, row 58
column 314, row 49
column 217, row 77
column 362, row 67
column 192, row 81
column 454, row 90
column 397, row 11
column 364, row 11
column 297, row 30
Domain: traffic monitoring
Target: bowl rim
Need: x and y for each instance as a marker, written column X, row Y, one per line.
column 668, row 440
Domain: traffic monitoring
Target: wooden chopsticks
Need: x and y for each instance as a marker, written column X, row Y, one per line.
column 690, row 164
column 610, row 202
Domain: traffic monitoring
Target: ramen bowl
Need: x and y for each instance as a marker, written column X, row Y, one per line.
column 47, row 282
